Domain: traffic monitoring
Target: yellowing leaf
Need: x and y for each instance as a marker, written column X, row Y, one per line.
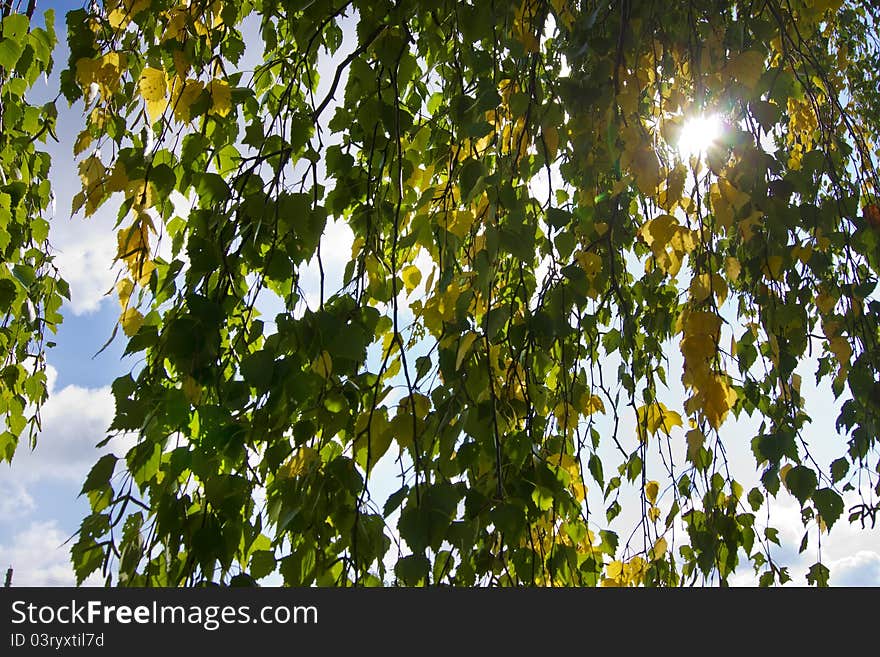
column 732, row 268
column 153, row 87
column 189, row 93
column 464, row 347
column 773, row 267
column 700, row 287
column 614, row 569
column 551, row 140
column 176, row 28
column 590, row 262
column 83, row 140
column 591, row 403
column 695, row 439
column 460, row 223
column 323, row 365
column 302, row 461
column 656, row 417
column 783, row 473
column 646, row 170
column 192, row 390
column 841, row 349
column 124, row 288
column 104, row 72
column 747, row 68
column 659, row 549
column 652, row 488
column 412, row 276
column 825, row 302
column 221, row 97
column 131, row 321
column 91, row 173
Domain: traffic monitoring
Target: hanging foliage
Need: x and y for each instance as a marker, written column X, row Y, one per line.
column 31, row 290
column 551, row 317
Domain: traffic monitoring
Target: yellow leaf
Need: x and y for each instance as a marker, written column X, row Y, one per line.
column 656, row 417
column 131, row 321
column 302, row 461
column 646, row 170
column 83, row 140
column 747, row 68
column 773, row 267
column 176, row 28
column 719, row 286
column 221, row 97
column 412, row 276
column 124, row 288
column 700, row 287
column 461, row 223
column 104, row 72
column 184, row 100
column 652, row 488
column 117, row 18
column 783, row 473
column 732, row 268
column 566, row 415
column 192, row 390
column 91, row 173
column 323, row 365
column 695, row 439
column 182, row 63
column 659, row 549
column 718, row 398
column 153, row 87
column 841, row 349
column 579, row 490
column 590, row 262
column 591, row 403
column 551, row 141
column 614, row 569
column 464, row 347
column 825, row 302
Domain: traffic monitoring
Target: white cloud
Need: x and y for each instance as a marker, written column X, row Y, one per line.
column 85, row 258
column 39, row 557
column 859, row 569
column 74, row 420
column 850, row 552
column 15, row 501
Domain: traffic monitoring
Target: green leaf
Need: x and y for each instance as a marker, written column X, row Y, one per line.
column 262, row 563
column 839, row 469
column 470, row 176
column 257, row 368
column 15, row 26
column 801, row 482
column 818, row 575
column 412, row 570
column 756, row 499
column 99, row 475
column 10, row 51
column 829, row 505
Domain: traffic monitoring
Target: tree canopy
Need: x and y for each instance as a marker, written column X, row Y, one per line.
column 551, row 316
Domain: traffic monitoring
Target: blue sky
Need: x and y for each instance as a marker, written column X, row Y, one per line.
column 39, row 507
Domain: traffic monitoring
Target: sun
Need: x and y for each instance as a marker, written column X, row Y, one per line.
column 698, row 134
